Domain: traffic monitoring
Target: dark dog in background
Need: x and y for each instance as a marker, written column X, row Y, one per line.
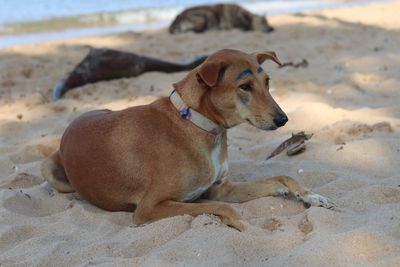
column 218, row 17
column 109, row 64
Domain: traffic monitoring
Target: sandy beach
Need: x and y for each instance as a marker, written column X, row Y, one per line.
column 348, row 97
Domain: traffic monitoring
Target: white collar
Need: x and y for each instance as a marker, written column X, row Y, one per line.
column 193, row 116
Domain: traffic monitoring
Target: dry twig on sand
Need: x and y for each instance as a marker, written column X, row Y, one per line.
column 294, row 145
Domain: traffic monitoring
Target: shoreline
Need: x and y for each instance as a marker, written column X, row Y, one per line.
column 56, row 29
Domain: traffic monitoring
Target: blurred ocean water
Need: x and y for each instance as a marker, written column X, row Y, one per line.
column 125, row 15
column 14, row 11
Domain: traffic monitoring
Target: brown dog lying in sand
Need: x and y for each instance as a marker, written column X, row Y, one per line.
column 157, row 158
column 218, row 17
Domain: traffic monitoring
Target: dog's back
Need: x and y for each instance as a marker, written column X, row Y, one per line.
column 218, row 17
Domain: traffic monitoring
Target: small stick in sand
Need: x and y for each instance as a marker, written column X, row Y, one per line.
column 294, row 145
column 303, row 63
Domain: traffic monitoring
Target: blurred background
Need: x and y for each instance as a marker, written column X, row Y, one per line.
column 41, row 20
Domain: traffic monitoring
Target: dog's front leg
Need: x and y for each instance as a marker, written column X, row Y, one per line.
column 146, row 213
column 276, row 186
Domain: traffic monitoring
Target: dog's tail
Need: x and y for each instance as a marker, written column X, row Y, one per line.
column 54, row 173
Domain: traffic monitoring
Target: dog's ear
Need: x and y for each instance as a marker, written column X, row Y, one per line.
column 209, row 72
column 262, row 56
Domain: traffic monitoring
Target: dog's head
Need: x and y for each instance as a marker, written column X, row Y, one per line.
column 260, row 23
column 237, row 89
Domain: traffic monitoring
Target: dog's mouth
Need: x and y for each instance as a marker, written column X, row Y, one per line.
column 267, row 128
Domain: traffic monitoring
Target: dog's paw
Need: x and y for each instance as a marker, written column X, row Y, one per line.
column 283, row 191
column 236, row 224
column 280, row 190
column 313, row 199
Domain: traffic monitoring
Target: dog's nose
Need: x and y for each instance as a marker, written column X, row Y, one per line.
column 280, row 119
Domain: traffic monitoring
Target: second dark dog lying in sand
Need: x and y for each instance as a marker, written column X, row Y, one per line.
column 108, row 64
column 218, row 17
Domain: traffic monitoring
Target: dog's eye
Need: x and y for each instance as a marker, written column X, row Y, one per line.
column 246, row 87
